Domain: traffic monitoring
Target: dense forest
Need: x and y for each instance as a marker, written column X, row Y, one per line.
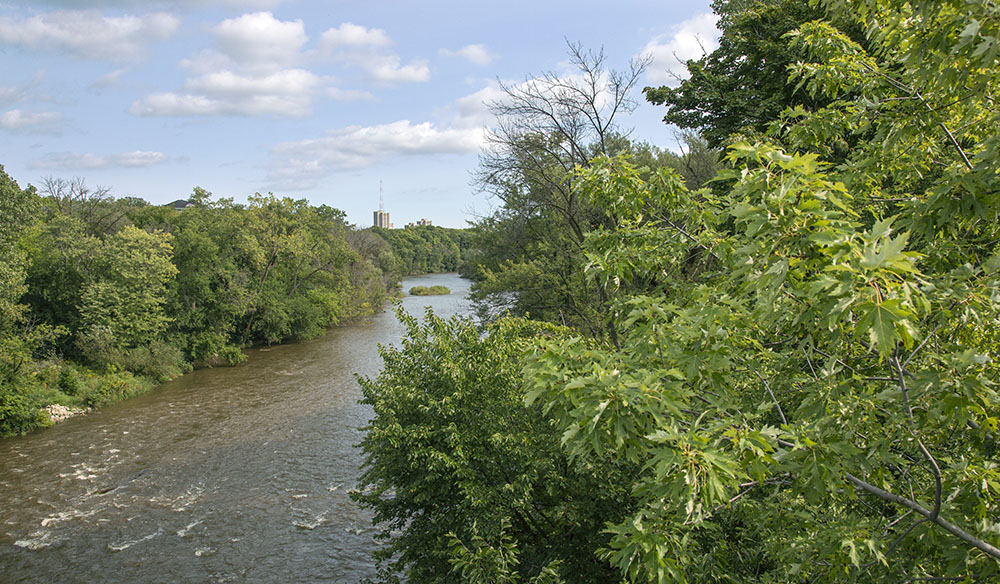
column 102, row 298
column 426, row 249
column 769, row 358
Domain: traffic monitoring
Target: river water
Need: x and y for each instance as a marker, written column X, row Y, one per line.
column 235, row 474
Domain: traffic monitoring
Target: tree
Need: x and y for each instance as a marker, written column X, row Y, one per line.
column 17, row 209
column 545, row 127
column 819, row 403
column 740, row 88
column 122, row 305
column 457, row 468
column 802, row 387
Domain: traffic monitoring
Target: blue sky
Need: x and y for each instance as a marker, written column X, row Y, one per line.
column 303, row 98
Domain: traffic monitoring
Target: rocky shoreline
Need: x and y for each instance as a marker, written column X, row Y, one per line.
column 59, row 413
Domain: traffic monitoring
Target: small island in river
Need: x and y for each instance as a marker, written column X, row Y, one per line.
column 429, row 291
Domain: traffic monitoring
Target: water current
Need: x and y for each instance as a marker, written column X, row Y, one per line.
column 235, row 474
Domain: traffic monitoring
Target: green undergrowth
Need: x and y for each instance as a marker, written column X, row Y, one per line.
column 59, row 382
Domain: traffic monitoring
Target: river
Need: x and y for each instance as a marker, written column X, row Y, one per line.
column 235, row 474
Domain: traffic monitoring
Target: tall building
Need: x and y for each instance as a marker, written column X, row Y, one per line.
column 381, row 217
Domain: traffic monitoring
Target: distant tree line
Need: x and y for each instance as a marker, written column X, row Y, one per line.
column 427, row 249
column 101, row 298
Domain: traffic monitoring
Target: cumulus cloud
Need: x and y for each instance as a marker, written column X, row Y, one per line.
column 261, row 40
column 475, row 54
column 353, row 35
column 286, row 82
column 366, row 48
column 300, row 165
column 257, row 63
column 88, row 34
column 691, row 40
column 80, row 161
column 181, row 104
column 167, row 4
column 338, row 94
column 472, row 111
column 251, row 71
column 387, row 69
column 16, row 119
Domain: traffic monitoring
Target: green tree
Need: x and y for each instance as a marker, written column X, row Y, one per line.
column 463, row 478
column 122, row 305
column 740, row 88
column 17, row 210
column 802, row 387
column 545, row 127
column 818, row 403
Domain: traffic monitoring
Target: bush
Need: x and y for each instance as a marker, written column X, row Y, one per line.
column 211, row 348
column 159, row 361
column 113, row 387
column 17, row 413
column 69, row 381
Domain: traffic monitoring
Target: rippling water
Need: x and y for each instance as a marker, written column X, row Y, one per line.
column 224, row 475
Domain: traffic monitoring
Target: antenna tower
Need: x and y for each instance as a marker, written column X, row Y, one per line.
column 381, row 197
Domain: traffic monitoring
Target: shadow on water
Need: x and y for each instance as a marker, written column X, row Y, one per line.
column 224, row 475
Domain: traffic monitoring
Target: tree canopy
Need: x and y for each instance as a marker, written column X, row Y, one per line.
column 798, row 382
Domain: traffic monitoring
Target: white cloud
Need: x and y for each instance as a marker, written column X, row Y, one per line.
column 286, row 82
column 79, row 161
column 364, row 48
column 475, row 54
column 353, row 35
column 300, row 165
column 691, row 40
column 181, row 104
column 10, row 94
column 167, row 4
column 88, row 34
column 256, row 67
column 251, row 72
column 472, row 111
column 109, row 79
column 338, row 94
column 16, row 119
column 387, row 69
column 260, row 40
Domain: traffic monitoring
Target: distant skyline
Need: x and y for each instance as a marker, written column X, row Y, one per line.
column 302, row 98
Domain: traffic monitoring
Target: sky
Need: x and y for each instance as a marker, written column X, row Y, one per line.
column 317, row 99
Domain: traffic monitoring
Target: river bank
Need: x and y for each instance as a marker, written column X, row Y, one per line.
column 66, row 389
column 227, row 474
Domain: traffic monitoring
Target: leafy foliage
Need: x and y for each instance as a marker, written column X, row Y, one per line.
column 102, row 298
column 798, row 383
column 456, row 463
column 426, row 249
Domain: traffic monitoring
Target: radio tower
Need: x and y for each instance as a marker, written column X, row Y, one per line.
column 381, row 218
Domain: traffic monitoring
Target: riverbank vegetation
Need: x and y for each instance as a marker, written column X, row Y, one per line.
column 786, row 373
column 429, row 290
column 426, row 249
column 102, row 298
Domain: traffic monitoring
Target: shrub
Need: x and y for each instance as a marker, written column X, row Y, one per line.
column 17, row 414
column 113, row 387
column 159, row 361
column 69, row 381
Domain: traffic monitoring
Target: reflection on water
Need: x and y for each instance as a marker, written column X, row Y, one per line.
column 224, row 475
